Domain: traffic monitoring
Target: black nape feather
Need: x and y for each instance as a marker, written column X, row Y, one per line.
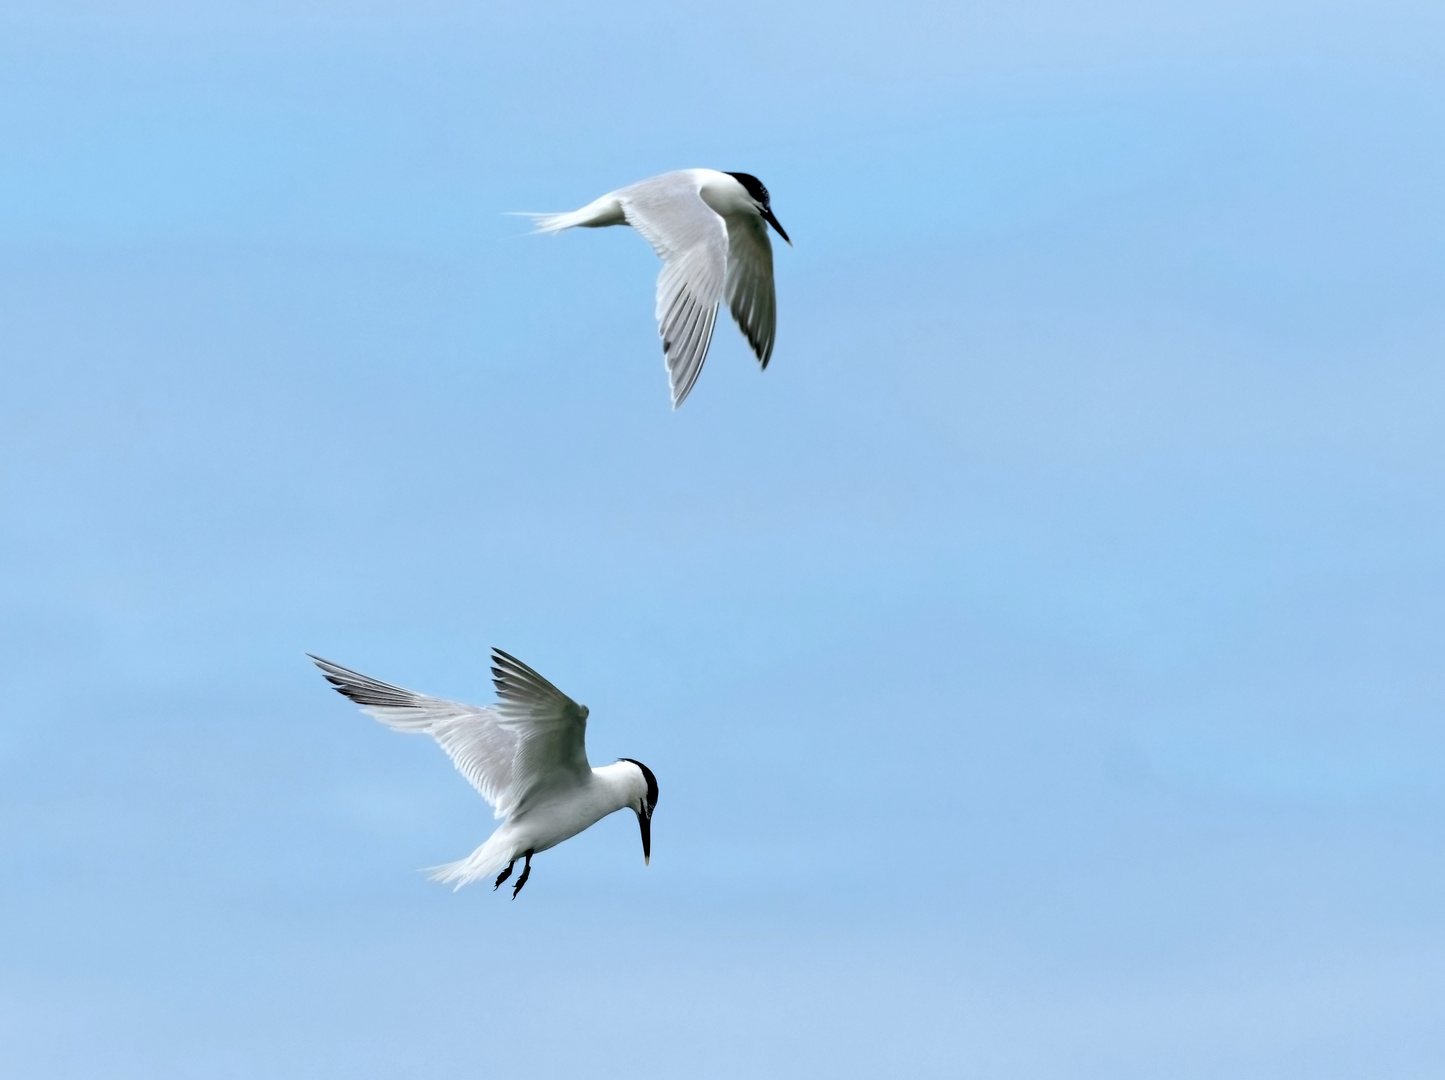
column 753, row 185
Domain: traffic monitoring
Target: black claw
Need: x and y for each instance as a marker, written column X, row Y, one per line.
column 526, row 871
column 504, row 875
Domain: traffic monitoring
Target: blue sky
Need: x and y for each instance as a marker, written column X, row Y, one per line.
column 1040, row 661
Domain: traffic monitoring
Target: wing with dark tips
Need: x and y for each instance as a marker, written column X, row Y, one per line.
column 531, row 741
column 749, row 285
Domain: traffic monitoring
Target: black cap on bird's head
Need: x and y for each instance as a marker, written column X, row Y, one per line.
column 759, row 194
column 644, row 810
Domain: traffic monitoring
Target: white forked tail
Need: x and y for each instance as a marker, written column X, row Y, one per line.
column 604, row 211
column 487, row 860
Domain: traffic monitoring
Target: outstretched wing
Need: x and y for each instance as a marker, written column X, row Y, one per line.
column 551, row 728
column 691, row 239
column 749, row 285
column 507, row 752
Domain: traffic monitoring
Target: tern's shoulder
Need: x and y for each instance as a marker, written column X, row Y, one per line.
column 682, row 183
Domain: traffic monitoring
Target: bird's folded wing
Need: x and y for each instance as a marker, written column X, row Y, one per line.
column 691, row 239
column 749, row 284
column 482, row 745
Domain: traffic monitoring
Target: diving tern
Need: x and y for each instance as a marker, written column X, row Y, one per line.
column 711, row 231
column 526, row 755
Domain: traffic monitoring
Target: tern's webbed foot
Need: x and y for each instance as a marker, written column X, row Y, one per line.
column 504, row 875
column 526, row 871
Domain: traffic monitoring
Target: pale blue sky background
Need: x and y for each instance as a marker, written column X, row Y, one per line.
column 1042, row 661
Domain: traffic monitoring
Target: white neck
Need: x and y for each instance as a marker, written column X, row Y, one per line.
column 725, row 194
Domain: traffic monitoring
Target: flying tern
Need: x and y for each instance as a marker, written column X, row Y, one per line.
column 711, row 231
column 526, row 755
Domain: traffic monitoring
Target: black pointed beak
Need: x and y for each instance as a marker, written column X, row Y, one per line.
column 768, row 217
column 645, row 823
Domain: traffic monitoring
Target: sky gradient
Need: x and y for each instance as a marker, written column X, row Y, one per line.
column 1040, row 662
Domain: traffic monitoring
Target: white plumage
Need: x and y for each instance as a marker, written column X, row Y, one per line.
column 526, row 755
column 711, row 231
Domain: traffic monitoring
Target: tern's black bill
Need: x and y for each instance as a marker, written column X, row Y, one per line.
column 645, row 823
column 767, row 213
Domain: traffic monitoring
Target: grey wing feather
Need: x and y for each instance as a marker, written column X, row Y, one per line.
column 480, row 744
column 551, row 728
column 691, row 239
column 749, row 283
column 686, row 324
column 523, row 691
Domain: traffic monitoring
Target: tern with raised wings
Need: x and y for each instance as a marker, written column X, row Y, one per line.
column 526, row 755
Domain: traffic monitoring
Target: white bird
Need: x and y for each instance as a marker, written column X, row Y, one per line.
column 527, row 757
column 711, row 231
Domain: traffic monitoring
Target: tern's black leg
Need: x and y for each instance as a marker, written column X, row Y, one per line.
column 504, row 875
column 526, row 869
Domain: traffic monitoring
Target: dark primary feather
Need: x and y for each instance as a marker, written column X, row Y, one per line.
column 363, row 689
column 521, row 686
